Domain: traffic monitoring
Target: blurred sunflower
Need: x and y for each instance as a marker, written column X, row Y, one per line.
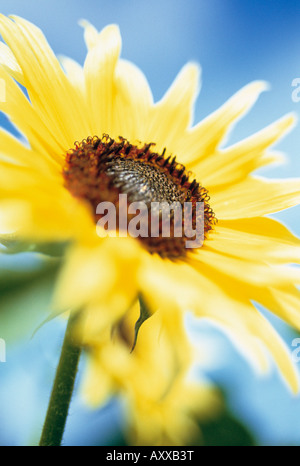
column 162, row 402
column 50, row 186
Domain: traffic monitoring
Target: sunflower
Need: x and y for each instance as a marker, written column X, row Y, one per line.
column 92, row 133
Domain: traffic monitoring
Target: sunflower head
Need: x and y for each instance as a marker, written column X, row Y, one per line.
column 98, row 170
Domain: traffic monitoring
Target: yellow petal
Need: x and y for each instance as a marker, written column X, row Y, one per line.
column 264, row 331
column 174, row 113
column 22, row 181
column 254, row 197
column 104, row 273
column 46, row 211
column 11, row 213
column 74, row 72
column 50, row 92
column 12, row 150
column 236, row 162
column 203, row 139
column 225, row 301
column 9, row 62
column 132, row 102
column 282, row 301
column 24, row 117
column 90, row 33
column 255, row 238
column 258, row 273
column 99, row 70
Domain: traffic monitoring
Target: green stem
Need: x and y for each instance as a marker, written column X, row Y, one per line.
column 62, row 390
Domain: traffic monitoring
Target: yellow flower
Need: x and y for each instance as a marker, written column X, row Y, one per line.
column 161, row 401
column 49, row 188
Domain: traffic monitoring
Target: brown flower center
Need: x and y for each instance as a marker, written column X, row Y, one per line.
column 99, row 170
